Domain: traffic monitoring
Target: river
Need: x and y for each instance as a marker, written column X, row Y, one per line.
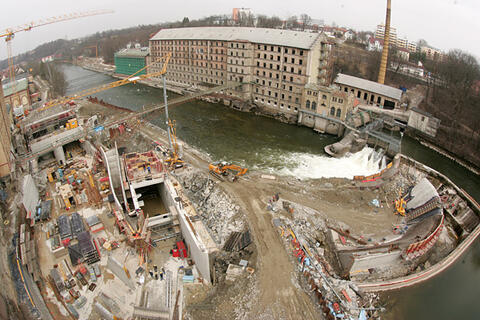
column 265, row 144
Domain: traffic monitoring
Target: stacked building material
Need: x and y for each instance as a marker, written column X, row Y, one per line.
column 65, row 230
column 88, row 250
column 77, row 224
column 75, row 254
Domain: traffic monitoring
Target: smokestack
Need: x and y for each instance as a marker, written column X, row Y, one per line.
column 386, row 42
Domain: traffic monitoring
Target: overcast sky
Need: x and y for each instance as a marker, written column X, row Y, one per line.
column 445, row 24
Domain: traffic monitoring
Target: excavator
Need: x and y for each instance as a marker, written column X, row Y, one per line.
column 223, row 169
column 401, row 204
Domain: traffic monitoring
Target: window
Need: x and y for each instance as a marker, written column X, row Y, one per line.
column 293, row 51
column 296, row 100
column 340, row 100
column 285, row 59
column 293, row 60
column 359, row 94
column 324, row 97
column 339, row 112
column 314, row 105
column 379, row 99
column 345, row 89
column 307, row 104
column 332, row 111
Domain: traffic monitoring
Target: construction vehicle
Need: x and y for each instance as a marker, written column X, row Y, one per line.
column 174, row 161
column 401, row 205
column 223, row 169
column 71, row 124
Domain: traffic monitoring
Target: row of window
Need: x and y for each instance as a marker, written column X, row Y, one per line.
column 274, row 103
column 158, row 43
column 274, row 84
column 277, row 57
column 277, row 67
column 275, row 95
column 313, row 106
column 366, row 95
column 279, row 49
column 276, row 75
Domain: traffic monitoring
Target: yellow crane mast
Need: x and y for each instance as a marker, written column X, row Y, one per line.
column 130, row 79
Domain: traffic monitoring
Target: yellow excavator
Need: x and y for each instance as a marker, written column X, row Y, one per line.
column 400, row 204
column 223, row 169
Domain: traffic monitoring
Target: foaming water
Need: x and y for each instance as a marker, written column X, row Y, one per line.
column 308, row 166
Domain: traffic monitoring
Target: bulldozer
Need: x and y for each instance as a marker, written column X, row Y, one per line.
column 223, row 169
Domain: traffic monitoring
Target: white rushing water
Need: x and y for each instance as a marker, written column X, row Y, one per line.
column 308, row 166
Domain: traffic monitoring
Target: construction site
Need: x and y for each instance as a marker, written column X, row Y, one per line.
column 113, row 217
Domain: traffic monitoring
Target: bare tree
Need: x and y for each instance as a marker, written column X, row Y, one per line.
column 268, row 22
column 305, row 20
column 292, row 22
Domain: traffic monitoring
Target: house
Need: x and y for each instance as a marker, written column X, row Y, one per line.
column 375, row 44
column 403, row 54
column 370, row 92
column 349, row 34
column 423, row 122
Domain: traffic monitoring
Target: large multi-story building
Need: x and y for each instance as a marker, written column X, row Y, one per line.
column 129, row 60
column 274, row 65
column 431, row 53
column 380, row 33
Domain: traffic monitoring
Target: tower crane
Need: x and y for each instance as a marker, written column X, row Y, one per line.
column 9, row 33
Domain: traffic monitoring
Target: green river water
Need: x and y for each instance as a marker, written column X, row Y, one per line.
column 265, row 144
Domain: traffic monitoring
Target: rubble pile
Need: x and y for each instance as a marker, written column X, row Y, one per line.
column 304, row 232
column 219, row 213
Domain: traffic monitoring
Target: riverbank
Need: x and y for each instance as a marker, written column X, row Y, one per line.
column 222, row 134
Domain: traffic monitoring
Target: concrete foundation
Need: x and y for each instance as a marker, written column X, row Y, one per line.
column 59, row 155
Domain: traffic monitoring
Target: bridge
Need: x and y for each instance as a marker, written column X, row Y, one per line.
column 52, row 142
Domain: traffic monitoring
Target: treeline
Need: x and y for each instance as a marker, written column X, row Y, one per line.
column 51, row 72
column 109, row 42
column 454, row 98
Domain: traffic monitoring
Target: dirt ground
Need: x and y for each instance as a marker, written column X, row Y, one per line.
column 273, row 291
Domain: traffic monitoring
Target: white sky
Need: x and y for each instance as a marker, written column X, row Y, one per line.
column 445, row 24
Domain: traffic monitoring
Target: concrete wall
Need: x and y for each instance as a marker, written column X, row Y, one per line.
column 30, row 194
column 196, row 248
column 110, row 178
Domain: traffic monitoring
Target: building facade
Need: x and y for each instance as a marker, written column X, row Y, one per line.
column 380, row 33
column 273, row 65
column 369, row 92
column 323, row 108
column 5, row 138
column 17, row 94
column 431, row 53
column 130, row 60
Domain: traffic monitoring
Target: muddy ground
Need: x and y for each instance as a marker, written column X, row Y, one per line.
column 273, row 291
